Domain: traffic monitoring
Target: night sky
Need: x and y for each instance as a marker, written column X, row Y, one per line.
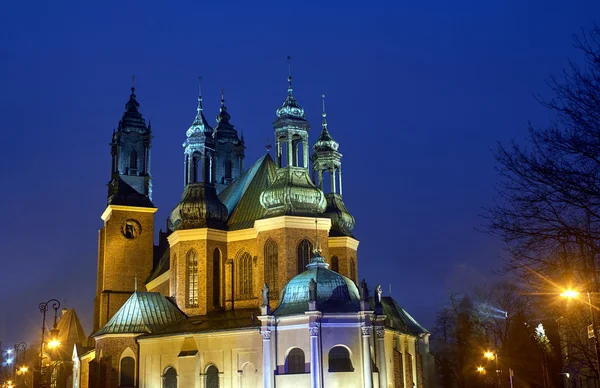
column 418, row 92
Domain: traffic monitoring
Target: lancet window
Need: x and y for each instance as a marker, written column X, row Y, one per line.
column 245, row 276
column 192, row 279
column 304, row 251
column 271, row 263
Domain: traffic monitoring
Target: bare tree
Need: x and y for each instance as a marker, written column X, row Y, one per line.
column 548, row 204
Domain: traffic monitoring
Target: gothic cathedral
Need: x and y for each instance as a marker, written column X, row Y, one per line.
column 254, row 284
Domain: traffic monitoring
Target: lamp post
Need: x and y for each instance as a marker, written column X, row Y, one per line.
column 571, row 294
column 494, row 355
column 53, row 333
column 20, row 346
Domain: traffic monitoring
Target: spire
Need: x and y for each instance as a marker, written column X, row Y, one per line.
column 324, row 114
column 132, row 105
column 200, row 125
column 290, row 89
column 223, row 116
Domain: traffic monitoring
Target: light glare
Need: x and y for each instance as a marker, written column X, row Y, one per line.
column 570, row 294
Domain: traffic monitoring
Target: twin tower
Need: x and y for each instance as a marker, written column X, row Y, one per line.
column 234, row 228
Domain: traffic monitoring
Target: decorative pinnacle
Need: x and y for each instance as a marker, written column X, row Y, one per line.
column 132, row 82
column 323, row 97
column 222, row 96
column 317, row 247
column 268, row 145
column 199, row 94
column 289, row 74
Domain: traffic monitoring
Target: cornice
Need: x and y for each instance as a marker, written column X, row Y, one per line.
column 293, row 222
column 250, row 233
column 158, row 281
column 109, row 209
column 343, row 242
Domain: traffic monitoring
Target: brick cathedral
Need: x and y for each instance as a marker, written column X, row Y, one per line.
column 254, row 284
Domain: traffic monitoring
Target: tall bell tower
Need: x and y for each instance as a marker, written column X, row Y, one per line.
column 126, row 241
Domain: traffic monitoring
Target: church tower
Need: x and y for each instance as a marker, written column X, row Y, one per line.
column 327, row 164
column 126, row 241
column 293, row 192
column 229, row 149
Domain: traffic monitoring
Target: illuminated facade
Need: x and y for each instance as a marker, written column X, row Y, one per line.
column 256, row 281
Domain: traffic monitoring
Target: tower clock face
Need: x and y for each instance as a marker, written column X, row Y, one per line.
column 131, row 229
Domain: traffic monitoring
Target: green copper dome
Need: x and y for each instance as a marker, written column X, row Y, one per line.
column 342, row 222
column 199, row 208
column 334, row 293
column 293, row 193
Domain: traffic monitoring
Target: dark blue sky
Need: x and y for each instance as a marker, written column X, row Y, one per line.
column 417, row 94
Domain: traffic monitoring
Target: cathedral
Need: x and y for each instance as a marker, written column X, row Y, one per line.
column 254, row 284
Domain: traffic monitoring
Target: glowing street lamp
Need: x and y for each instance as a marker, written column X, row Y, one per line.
column 23, row 369
column 491, row 356
column 54, row 332
column 570, row 294
column 481, row 369
column 592, row 332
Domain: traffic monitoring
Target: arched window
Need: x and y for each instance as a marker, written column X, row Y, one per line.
column 228, row 168
column 245, row 276
column 192, row 279
column 127, row 372
column 170, row 378
column 211, row 377
column 304, row 250
column 271, row 263
column 352, row 269
column 173, row 271
column 335, row 264
column 216, row 277
column 339, row 360
column 294, row 362
column 133, row 162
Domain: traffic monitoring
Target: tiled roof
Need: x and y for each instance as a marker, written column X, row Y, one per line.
column 242, row 197
column 144, row 312
column 127, row 195
column 397, row 318
column 70, row 330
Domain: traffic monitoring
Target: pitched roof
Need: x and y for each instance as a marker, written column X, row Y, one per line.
column 143, row 312
column 214, row 321
column 397, row 318
column 70, row 329
column 242, row 197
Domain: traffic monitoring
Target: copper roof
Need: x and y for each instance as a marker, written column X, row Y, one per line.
column 143, row 312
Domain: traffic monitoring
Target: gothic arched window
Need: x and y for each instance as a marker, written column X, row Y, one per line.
column 216, row 277
column 304, row 250
column 353, row 269
column 245, row 276
column 294, row 362
column 228, row 169
column 170, row 378
column 174, row 276
column 192, row 279
column 133, row 160
column 127, row 372
column 335, row 264
column 339, row 360
column 271, row 263
column 211, row 377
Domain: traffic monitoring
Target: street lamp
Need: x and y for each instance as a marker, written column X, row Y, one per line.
column 53, row 333
column 491, row 356
column 481, row 370
column 20, row 346
column 571, row 294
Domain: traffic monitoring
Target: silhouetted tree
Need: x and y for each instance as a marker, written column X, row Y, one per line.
column 548, row 205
